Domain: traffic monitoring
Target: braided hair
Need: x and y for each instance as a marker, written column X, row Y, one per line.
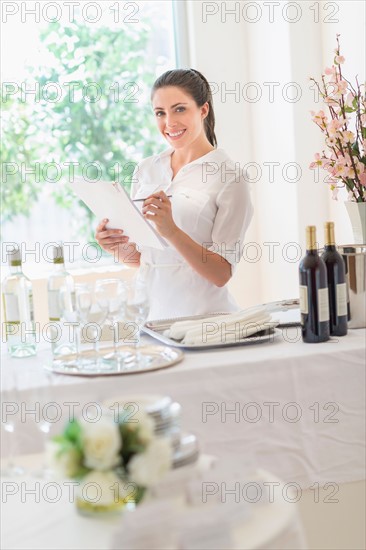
column 195, row 84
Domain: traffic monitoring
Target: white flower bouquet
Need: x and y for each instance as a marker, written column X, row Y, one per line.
column 115, row 459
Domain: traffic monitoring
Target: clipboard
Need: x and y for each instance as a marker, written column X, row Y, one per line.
column 108, row 199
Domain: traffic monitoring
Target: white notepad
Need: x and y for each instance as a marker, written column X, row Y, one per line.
column 108, row 199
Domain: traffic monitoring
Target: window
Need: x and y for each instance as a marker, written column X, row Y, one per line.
column 75, row 100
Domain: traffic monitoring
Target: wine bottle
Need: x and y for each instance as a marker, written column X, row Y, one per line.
column 61, row 339
column 314, row 304
column 337, row 286
column 18, row 309
column 59, row 277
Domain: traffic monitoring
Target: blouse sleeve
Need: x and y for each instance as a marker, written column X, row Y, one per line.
column 234, row 213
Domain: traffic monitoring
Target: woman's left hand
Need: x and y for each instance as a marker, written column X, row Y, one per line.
column 158, row 208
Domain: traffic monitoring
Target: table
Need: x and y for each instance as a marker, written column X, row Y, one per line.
column 269, row 525
column 297, row 409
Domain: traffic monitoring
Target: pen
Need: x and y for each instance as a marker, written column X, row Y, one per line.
column 138, row 200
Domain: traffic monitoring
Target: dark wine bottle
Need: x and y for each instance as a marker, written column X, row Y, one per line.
column 314, row 304
column 337, row 286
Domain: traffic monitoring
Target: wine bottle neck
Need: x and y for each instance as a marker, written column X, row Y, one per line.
column 311, row 238
column 329, row 234
column 58, row 267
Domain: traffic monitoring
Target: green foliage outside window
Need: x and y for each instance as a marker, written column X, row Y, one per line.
column 103, row 115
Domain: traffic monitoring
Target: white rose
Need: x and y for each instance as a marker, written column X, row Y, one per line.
column 147, row 468
column 144, row 424
column 64, row 464
column 102, row 488
column 102, row 443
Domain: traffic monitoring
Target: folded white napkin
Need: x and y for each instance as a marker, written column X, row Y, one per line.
column 222, row 328
column 178, row 330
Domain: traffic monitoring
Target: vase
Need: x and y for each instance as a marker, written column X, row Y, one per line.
column 354, row 257
column 357, row 214
column 85, row 507
column 103, row 494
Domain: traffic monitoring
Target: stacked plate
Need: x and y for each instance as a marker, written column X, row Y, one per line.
column 187, row 452
column 167, row 418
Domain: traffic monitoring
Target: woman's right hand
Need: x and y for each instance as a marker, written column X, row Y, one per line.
column 109, row 239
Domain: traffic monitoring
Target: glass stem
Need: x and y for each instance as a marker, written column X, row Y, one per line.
column 12, row 468
column 77, row 335
column 96, row 348
column 45, row 429
column 96, row 345
column 137, row 345
column 115, row 339
column 11, row 454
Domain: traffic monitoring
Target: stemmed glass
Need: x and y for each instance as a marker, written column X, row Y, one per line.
column 9, row 422
column 111, row 294
column 137, row 310
column 94, row 321
column 75, row 307
column 83, row 305
column 47, row 415
column 44, row 425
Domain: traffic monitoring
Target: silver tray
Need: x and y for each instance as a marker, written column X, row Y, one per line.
column 162, row 357
column 157, row 328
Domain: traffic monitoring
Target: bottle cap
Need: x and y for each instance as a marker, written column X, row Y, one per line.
column 329, row 233
column 311, row 237
column 15, row 256
column 311, row 229
column 58, row 254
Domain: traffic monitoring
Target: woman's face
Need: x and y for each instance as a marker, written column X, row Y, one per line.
column 178, row 117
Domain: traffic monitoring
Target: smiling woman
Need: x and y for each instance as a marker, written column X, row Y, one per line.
column 199, row 94
column 204, row 221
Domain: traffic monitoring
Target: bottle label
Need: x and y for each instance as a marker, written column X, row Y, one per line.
column 347, row 286
column 304, row 299
column 11, row 308
column 25, row 305
column 54, row 310
column 31, row 307
column 341, row 299
column 323, row 305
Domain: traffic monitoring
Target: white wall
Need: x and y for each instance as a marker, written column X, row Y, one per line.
column 229, row 49
column 234, row 52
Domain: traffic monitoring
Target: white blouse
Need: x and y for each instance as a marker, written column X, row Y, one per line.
column 211, row 203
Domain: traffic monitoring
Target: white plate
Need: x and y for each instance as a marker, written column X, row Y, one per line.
column 152, row 404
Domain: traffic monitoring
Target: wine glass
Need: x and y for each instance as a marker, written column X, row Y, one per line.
column 95, row 320
column 83, row 305
column 69, row 316
column 9, row 424
column 44, row 425
column 47, row 416
column 75, row 306
column 111, row 294
column 137, row 310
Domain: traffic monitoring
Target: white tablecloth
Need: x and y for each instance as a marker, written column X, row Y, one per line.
column 298, row 409
column 41, row 514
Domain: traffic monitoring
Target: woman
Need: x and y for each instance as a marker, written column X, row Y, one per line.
column 197, row 200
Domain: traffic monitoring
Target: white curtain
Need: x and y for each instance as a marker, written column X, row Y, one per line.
column 258, row 57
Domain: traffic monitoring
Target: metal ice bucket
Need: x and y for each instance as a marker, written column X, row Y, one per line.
column 354, row 256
